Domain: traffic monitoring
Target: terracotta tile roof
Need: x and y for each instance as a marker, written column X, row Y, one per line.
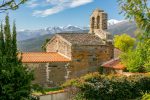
column 42, row 57
column 82, row 38
column 114, row 64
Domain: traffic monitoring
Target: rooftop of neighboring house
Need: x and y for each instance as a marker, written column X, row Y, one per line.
column 114, row 64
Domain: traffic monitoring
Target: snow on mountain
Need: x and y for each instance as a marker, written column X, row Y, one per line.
column 28, row 34
column 114, row 21
column 70, row 28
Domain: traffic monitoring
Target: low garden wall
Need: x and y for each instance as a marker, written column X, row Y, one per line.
column 55, row 96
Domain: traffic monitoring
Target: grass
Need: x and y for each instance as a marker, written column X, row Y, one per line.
column 49, row 91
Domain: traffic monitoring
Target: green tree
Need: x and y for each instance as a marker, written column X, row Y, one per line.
column 124, row 42
column 10, row 4
column 138, row 59
column 133, row 61
column 15, row 79
column 139, row 11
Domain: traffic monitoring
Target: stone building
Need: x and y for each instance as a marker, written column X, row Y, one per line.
column 70, row 55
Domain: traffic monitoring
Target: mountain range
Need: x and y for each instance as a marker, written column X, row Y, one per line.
column 32, row 40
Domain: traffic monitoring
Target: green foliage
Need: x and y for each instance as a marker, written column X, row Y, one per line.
column 124, row 42
column 139, row 10
column 112, row 87
column 138, row 60
column 44, row 44
column 15, row 79
column 100, row 69
column 147, row 50
column 146, row 96
column 133, row 62
column 52, row 89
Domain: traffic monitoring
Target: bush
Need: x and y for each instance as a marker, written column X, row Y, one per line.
column 111, row 87
column 146, row 96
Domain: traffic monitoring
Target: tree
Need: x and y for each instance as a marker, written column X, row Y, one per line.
column 15, row 79
column 124, row 42
column 133, row 62
column 138, row 59
column 10, row 4
column 139, row 11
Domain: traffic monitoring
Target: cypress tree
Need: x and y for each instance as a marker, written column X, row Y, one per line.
column 15, row 79
column 7, row 34
column 2, row 45
column 14, row 44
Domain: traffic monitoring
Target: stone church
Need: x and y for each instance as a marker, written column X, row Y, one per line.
column 70, row 55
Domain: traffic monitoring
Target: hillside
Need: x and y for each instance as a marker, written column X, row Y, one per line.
column 35, row 43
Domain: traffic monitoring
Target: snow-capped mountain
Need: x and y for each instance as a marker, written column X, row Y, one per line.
column 72, row 28
column 28, row 34
column 114, row 21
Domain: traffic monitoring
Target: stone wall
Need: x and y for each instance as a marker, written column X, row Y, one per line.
column 58, row 44
column 39, row 72
column 86, row 59
column 58, row 73
column 56, row 96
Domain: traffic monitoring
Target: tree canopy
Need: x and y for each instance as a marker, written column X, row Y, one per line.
column 124, row 42
column 139, row 11
column 138, row 60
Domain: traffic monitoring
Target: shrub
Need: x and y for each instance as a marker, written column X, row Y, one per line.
column 111, row 87
column 146, row 96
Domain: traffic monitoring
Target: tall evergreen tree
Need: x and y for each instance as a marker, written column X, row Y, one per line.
column 7, row 34
column 15, row 79
column 2, row 48
column 14, row 44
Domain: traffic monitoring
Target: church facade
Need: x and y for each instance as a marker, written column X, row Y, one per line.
column 70, row 55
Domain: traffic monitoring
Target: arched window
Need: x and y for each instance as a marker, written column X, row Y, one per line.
column 98, row 22
column 93, row 22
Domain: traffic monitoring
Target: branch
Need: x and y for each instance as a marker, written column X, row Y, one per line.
column 7, row 5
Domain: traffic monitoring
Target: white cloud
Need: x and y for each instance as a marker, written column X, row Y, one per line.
column 77, row 3
column 47, row 12
column 60, row 5
column 32, row 4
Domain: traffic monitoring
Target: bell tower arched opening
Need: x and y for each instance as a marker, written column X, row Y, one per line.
column 98, row 22
column 93, row 24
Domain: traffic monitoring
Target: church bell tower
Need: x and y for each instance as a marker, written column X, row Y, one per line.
column 98, row 23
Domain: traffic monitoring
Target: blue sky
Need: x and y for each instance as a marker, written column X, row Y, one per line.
column 37, row 14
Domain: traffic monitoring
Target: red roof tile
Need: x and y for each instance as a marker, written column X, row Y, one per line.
column 42, row 57
column 114, row 64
